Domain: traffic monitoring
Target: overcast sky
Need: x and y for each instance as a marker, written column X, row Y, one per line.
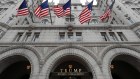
column 82, row 1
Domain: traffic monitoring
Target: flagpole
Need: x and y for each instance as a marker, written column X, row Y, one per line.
column 70, row 10
column 29, row 11
column 91, row 12
column 50, row 14
column 33, row 10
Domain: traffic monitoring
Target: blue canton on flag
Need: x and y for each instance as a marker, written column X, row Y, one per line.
column 23, row 10
column 64, row 10
column 42, row 10
column 85, row 15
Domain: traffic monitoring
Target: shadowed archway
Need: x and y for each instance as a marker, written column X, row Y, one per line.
column 71, row 67
column 15, row 67
column 125, row 67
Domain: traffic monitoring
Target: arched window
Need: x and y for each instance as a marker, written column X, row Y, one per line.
column 94, row 21
column 70, row 18
column 45, row 21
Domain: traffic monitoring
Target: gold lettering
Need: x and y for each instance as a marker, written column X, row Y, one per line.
column 65, row 70
column 61, row 70
column 70, row 70
column 80, row 70
column 75, row 70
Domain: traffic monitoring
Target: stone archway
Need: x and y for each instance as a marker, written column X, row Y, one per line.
column 15, row 67
column 25, row 54
column 70, row 67
column 84, row 56
column 125, row 67
column 112, row 52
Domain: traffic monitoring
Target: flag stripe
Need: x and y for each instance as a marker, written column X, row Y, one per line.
column 58, row 11
column 37, row 11
column 42, row 10
column 85, row 19
column 105, row 15
column 23, row 10
column 67, row 12
column 108, row 12
column 85, row 15
column 64, row 10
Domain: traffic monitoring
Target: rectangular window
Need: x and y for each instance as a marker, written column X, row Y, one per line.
column 104, row 36
column 70, row 35
column 78, row 36
column 61, row 35
column 27, row 37
column 136, row 10
column 94, row 21
column 2, row 10
column 122, row 36
column 36, row 36
column 18, row 37
column 113, row 36
column 69, row 19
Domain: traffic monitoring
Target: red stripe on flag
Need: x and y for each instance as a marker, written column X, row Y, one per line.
column 105, row 15
column 22, row 12
column 85, row 16
column 67, row 12
column 58, row 11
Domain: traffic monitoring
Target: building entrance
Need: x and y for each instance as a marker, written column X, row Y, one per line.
column 15, row 67
column 125, row 67
column 70, row 70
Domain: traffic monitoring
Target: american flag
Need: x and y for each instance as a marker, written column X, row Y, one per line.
column 23, row 10
column 58, row 10
column 108, row 12
column 85, row 15
column 42, row 10
column 64, row 10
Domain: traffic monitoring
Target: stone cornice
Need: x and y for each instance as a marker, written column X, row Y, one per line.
column 101, row 26
column 93, row 27
column 134, row 25
column 55, row 44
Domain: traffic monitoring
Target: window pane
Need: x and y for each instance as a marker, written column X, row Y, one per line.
column 68, row 18
column 61, row 35
column 104, row 36
column 18, row 37
column 27, row 36
column 122, row 37
column 36, row 37
column 70, row 35
column 78, row 36
column 78, row 33
column 113, row 36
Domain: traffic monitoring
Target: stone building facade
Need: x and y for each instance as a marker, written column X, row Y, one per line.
column 32, row 48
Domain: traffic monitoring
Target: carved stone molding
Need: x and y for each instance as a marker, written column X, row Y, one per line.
column 111, row 52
